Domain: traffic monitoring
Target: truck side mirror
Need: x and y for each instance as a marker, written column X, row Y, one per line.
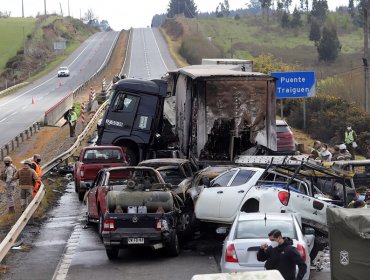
column 308, row 231
column 206, row 182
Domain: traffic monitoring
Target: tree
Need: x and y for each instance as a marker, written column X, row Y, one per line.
column 319, row 9
column 285, row 22
column 286, row 4
column 329, row 45
column 90, row 16
column 223, row 9
column 186, row 7
column 265, row 5
column 296, row 20
column 315, row 31
column 351, row 8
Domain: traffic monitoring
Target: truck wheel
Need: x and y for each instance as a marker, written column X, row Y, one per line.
column 112, row 252
column 173, row 246
column 186, row 224
column 131, row 157
column 81, row 195
column 76, row 189
column 100, row 224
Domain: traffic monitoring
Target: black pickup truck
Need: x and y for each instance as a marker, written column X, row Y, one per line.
column 141, row 215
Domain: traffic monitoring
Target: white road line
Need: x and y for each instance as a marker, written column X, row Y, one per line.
column 15, row 98
column 12, row 114
column 129, row 65
column 155, row 40
column 3, row 119
column 24, row 107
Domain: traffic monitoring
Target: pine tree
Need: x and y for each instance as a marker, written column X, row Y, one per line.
column 315, row 31
column 351, row 8
column 329, row 45
column 296, row 20
column 319, row 9
column 285, row 22
column 186, row 7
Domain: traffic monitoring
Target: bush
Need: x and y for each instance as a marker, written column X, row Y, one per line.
column 195, row 47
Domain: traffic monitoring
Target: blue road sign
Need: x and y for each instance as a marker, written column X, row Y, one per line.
column 295, row 84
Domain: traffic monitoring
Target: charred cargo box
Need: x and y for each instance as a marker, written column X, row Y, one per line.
column 221, row 113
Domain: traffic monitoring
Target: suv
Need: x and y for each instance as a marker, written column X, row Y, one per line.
column 285, row 138
column 63, row 71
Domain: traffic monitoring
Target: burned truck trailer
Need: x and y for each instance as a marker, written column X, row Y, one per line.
column 221, row 113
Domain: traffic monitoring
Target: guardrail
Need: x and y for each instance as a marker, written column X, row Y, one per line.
column 16, row 230
column 13, row 87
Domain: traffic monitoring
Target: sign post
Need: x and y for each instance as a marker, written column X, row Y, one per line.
column 295, row 85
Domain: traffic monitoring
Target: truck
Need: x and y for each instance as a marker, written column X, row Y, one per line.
column 208, row 113
column 221, row 113
column 91, row 160
column 134, row 117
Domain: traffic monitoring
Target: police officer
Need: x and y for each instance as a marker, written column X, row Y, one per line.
column 27, row 178
column 7, row 174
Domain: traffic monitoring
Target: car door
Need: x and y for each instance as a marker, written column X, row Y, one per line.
column 234, row 193
column 92, row 206
column 207, row 206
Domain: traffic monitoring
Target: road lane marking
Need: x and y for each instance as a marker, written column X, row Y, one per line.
column 155, row 40
column 15, row 98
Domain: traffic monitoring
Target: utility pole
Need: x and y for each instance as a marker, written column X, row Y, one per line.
column 45, row 7
column 22, row 10
column 69, row 12
column 365, row 59
column 61, row 10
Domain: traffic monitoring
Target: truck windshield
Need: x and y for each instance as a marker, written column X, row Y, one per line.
column 124, row 102
column 103, row 156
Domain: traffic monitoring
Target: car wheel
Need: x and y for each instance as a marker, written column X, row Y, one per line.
column 186, row 224
column 100, row 224
column 81, row 195
column 173, row 247
column 112, row 252
column 76, row 187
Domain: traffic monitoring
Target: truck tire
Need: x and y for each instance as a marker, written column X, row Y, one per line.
column 100, row 224
column 81, row 195
column 186, row 224
column 132, row 157
column 112, row 252
column 173, row 246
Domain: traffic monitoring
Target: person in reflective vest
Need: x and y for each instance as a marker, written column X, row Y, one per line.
column 36, row 166
column 350, row 138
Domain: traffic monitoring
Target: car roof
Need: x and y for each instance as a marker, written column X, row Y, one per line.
column 281, row 122
column 167, row 161
column 131, row 167
column 243, row 216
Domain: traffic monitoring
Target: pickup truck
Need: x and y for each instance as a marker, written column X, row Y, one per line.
column 91, row 160
column 135, row 208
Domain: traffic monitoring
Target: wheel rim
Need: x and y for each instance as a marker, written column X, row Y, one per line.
column 184, row 221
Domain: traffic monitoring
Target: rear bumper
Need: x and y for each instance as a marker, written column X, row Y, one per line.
column 119, row 238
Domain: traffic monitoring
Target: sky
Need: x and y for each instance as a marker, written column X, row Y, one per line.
column 121, row 14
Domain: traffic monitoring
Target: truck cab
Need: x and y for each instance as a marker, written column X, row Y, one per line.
column 133, row 116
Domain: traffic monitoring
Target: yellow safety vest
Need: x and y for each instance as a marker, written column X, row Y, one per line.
column 349, row 137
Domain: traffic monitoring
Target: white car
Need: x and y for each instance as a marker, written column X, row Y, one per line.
column 63, row 71
column 250, row 230
column 221, row 199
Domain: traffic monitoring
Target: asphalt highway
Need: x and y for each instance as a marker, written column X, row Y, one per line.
column 17, row 112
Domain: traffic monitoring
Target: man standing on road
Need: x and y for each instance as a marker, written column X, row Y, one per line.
column 27, row 178
column 36, row 166
column 282, row 256
column 350, row 138
column 7, row 174
column 72, row 120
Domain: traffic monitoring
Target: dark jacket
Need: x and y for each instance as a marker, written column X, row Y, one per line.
column 283, row 258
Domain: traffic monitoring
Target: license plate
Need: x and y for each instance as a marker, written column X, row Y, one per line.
column 135, row 241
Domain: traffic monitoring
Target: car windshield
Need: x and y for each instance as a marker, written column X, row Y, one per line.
column 282, row 129
column 63, row 68
column 259, row 229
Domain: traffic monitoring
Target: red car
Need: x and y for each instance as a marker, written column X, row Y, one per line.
column 285, row 138
column 115, row 178
column 91, row 160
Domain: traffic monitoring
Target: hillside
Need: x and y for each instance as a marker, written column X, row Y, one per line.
column 35, row 53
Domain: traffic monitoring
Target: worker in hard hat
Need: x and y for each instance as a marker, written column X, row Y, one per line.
column 37, row 167
column 7, row 174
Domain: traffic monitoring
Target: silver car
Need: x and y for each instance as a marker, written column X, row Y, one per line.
column 250, row 230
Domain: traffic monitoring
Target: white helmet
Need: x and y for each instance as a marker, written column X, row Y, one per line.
column 8, row 159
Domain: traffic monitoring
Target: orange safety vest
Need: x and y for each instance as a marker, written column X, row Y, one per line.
column 38, row 170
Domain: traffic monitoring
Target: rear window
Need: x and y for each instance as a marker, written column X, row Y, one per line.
column 257, row 229
column 103, row 156
column 282, row 129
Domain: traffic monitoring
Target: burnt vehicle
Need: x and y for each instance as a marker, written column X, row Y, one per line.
column 221, row 113
column 139, row 210
column 134, row 117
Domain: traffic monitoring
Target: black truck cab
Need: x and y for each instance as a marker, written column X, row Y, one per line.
column 133, row 116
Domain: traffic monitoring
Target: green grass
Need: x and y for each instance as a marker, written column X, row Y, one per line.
column 12, row 36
